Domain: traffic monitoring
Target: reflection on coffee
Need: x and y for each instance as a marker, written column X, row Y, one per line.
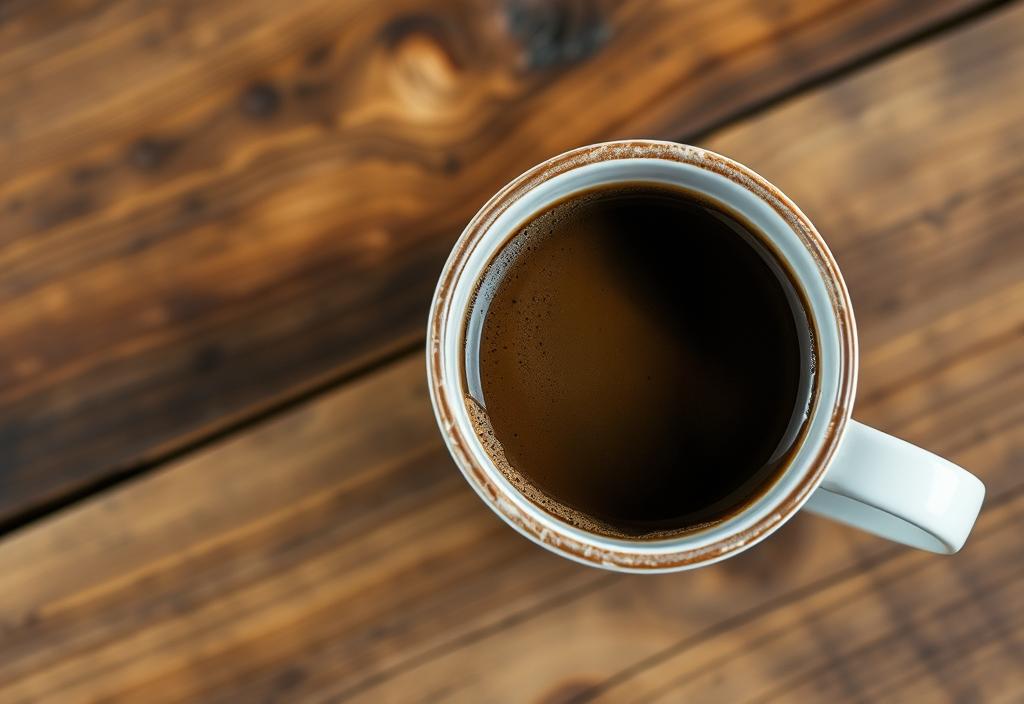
column 641, row 362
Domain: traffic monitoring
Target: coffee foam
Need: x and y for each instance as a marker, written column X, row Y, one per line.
column 524, row 238
column 485, row 433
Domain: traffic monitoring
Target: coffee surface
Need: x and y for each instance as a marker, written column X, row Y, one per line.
column 642, row 358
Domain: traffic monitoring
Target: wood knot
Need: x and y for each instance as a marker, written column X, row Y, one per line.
column 318, row 55
column 425, row 60
column 451, row 164
column 557, row 32
column 193, row 203
column 208, row 358
column 260, row 101
column 150, row 153
column 84, row 174
column 410, row 27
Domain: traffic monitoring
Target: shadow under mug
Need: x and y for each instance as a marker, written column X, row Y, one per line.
column 843, row 469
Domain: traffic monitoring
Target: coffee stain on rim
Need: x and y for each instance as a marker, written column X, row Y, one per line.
column 613, row 556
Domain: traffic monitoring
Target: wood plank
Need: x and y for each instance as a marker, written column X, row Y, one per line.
column 335, row 552
column 207, row 208
column 895, row 632
column 850, row 633
column 337, row 548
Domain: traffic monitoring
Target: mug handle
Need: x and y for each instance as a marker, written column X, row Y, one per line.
column 898, row 491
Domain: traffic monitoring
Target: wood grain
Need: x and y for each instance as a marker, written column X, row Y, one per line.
column 334, row 552
column 207, row 208
column 908, row 628
column 833, row 626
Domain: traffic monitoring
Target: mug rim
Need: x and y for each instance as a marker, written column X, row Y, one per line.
column 601, row 551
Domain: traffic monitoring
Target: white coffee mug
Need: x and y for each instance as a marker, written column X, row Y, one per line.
column 843, row 470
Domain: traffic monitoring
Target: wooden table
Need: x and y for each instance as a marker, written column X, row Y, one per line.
column 220, row 225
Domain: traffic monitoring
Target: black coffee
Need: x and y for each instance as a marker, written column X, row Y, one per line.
column 643, row 360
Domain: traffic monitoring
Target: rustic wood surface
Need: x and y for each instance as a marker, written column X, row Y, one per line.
column 332, row 551
column 210, row 208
